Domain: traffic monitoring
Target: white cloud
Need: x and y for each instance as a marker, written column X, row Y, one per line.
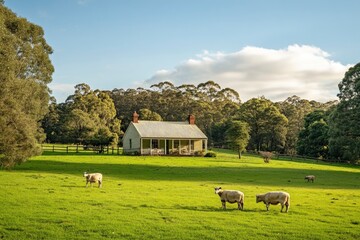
column 305, row 71
column 62, row 90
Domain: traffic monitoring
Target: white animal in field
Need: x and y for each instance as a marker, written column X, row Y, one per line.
column 275, row 198
column 93, row 178
column 230, row 196
column 310, row 178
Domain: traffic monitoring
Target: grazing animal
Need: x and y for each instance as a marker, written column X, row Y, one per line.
column 266, row 156
column 275, row 198
column 310, row 178
column 230, row 196
column 93, row 178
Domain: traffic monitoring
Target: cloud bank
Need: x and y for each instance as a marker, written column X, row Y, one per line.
column 302, row 70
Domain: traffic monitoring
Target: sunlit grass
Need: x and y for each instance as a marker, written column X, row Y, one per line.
column 173, row 198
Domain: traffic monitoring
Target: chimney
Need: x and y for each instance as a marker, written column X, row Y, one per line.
column 135, row 118
column 191, row 119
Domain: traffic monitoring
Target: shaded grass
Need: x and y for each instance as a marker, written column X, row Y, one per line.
column 173, row 198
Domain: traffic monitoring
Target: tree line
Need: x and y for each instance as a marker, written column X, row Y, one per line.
column 29, row 116
column 97, row 117
column 292, row 126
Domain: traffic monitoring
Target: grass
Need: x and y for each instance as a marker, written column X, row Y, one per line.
column 173, row 198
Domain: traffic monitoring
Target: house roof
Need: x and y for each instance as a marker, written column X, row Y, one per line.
column 174, row 130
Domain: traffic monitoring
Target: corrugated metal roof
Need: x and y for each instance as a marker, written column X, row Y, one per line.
column 173, row 130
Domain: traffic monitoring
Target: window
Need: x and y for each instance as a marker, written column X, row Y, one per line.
column 192, row 143
column 130, row 143
column 176, row 144
column 146, row 143
column 155, row 143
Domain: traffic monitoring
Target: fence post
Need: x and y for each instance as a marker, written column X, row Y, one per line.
column 77, row 148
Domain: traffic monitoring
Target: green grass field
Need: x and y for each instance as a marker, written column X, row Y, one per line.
column 173, row 198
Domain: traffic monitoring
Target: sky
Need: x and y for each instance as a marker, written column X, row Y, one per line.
column 271, row 48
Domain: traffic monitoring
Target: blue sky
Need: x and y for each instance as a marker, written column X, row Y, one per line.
column 273, row 48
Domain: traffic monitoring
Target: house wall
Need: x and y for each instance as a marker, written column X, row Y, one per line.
column 198, row 145
column 131, row 133
column 163, row 146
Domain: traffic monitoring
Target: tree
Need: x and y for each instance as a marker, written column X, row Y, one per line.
column 267, row 125
column 25, row 71
column 275, row 134
column 238, row 136
column 313, row 138
column 87, row 117
column 50, row 122
column 80, row 126
column 208, row 102
column 295, row 109
column 219, row 134
column 344, row 132
column 146, row 114
column 99, row 115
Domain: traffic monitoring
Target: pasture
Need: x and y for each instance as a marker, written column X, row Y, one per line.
column 173, row 198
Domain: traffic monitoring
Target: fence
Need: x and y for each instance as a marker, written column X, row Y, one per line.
column 299, row 157
column 81, row 149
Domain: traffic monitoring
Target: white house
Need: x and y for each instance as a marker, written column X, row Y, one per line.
column 164, row 138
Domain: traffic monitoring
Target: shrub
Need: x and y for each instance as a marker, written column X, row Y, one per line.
column 199, row 153
column 210, row 154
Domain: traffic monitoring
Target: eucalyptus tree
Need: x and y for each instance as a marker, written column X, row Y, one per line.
column 344, row 132
column 208, row 102
column 91, row 117
column 295, row 109
column 147, row 114
column 267, row 125
column 51, row 122
column 237, row 136
column 208, row 91
column 25, row 71
column 313, row 138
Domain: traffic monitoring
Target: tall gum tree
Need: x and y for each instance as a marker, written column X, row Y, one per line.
column 25, row 71
column 344, row 131
column 268, row 126
column 89, row 118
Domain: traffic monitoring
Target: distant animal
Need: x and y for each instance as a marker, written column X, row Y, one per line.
column 310, row 178
column 266, row 156
column 275, row 198
column 230, row 196
column 93, row 178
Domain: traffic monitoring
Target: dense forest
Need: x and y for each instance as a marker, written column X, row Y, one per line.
column 29, row 116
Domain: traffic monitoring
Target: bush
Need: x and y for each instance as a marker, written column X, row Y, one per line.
column 135, row 153
column 210, row 154
column 199, row 153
